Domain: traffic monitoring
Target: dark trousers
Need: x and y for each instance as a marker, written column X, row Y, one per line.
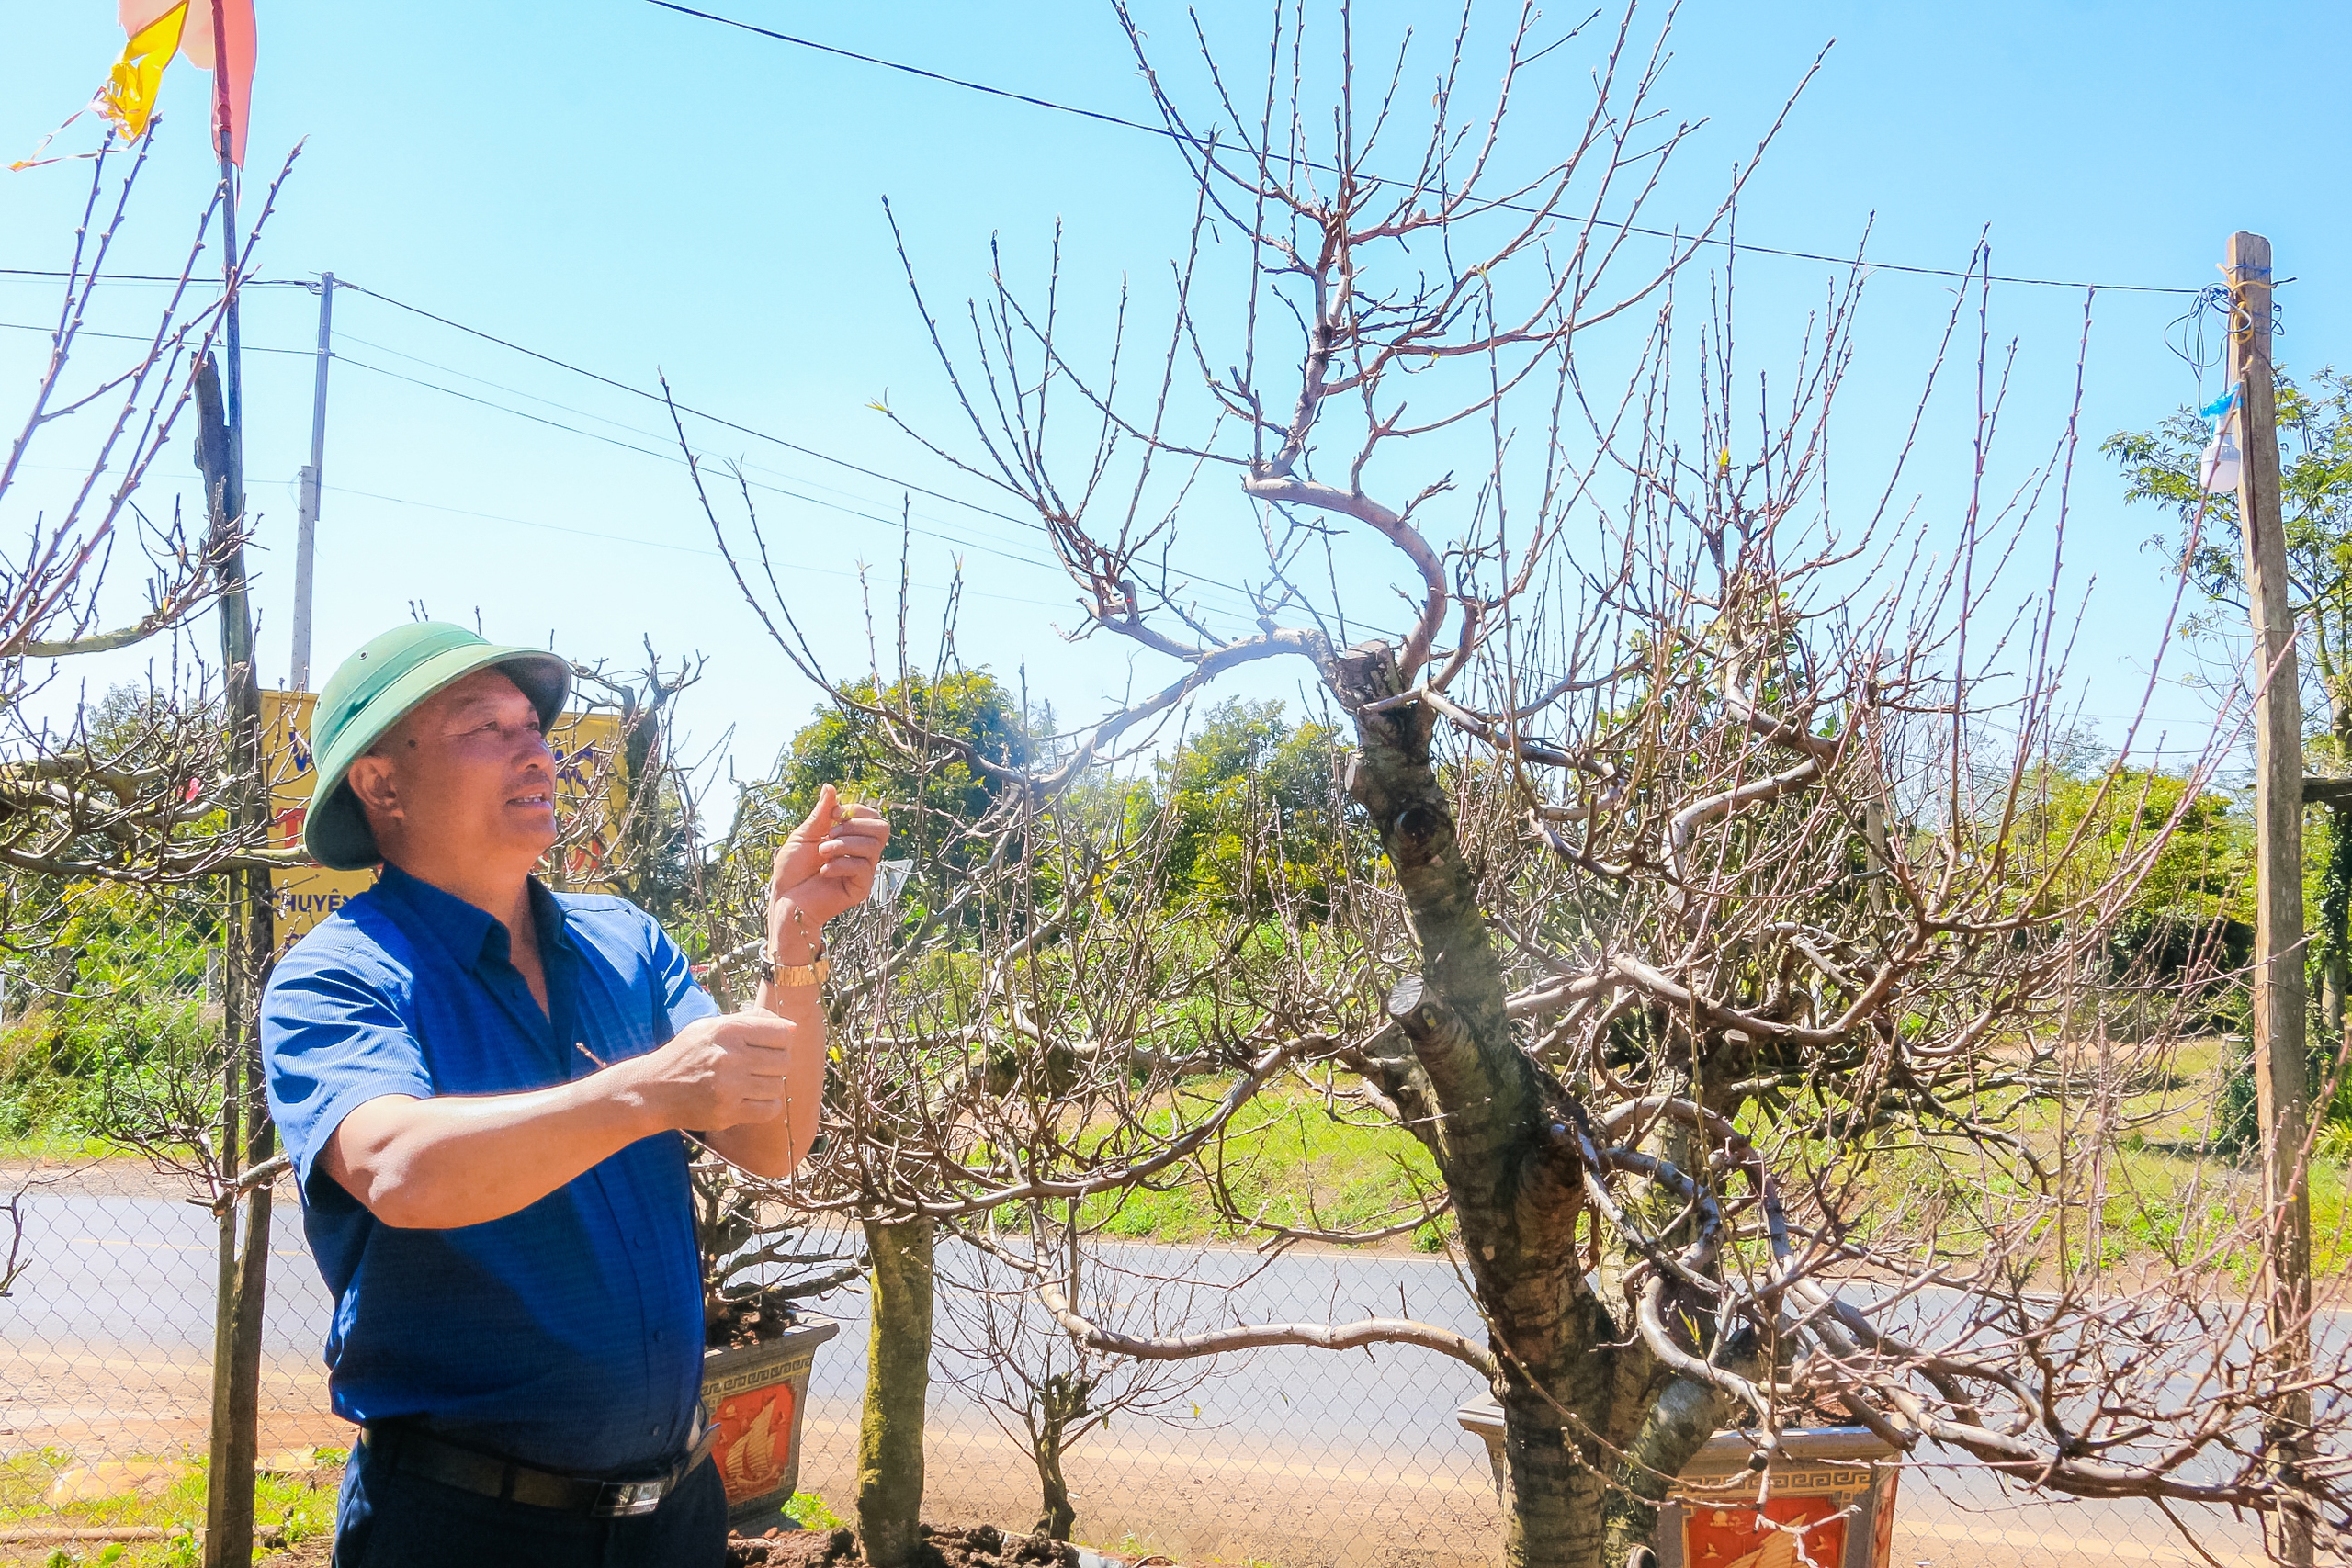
column 406, row 1521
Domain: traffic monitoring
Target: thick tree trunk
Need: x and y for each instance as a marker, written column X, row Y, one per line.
column 1056, row 1518
column 1685, row 1416
column 1570, row 1389
column 897, row 1379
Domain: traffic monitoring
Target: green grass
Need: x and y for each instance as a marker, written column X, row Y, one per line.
column 1287, row 1162
column 2158, row 1190
column 58, row 1144
column 1290, row 1163
column 287, row 1510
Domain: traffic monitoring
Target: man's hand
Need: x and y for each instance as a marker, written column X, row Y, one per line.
column 826, row 867
column 721, row 1072
column 456, row 1161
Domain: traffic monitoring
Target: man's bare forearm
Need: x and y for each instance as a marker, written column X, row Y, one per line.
column 458, row 1160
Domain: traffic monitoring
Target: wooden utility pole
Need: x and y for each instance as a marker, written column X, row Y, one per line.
column 246, row 1136
column 2282, row 1072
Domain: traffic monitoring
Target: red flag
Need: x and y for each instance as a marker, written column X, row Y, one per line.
column 196, row 45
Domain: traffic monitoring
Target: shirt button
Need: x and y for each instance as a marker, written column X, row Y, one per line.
column 657, row 1337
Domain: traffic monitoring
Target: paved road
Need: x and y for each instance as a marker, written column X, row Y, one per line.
column 1293, row 1454
column 137, row 1275
column 144, row 1271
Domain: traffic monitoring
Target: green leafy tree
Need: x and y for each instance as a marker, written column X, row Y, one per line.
column 1256, row 806
column 859, row 745
column 2160, row 467
column 2315, row 497
column 2197, row 889
column 102, row 981
column 108, row 1034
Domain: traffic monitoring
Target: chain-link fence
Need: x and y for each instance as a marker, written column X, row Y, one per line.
column 106, row 1340
column 1286, row 1456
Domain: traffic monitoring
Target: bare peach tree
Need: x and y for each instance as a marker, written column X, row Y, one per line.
column 1726, row 944
column 122, row 798
column 1013, row 1045
column 1043, row 1388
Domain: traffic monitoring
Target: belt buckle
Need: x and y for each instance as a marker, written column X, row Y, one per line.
column 626, row 1499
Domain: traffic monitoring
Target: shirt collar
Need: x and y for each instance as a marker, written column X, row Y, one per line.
column 469, row 934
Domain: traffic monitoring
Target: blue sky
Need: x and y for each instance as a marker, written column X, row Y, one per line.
column 632, row 189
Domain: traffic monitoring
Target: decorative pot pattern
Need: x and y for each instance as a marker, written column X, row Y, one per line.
column 755, row 1393
column 1831, row 1504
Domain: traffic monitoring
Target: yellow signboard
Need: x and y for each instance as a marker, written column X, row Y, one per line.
column 588, row 779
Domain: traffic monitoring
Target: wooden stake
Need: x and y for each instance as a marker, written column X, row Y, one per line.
column 252, row 939
column 247, row 1137
column 2282, row 1072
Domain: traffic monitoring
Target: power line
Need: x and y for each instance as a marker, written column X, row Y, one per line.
column 648, row 544
column 130, row 337
column 660, row 453
column 1173, row 135
column 636, row 391
column 151, row 277
column 665, row 440
column 598, row 534
column 1029, row 524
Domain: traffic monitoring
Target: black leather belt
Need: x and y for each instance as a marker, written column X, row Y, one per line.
column 407, row 1451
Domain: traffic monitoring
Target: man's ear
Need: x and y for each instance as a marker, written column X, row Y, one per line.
column 370, row 778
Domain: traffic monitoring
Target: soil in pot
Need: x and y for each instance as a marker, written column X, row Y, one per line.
column 742, row 1324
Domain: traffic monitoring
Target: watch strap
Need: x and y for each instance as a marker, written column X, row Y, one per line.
column 816, row 972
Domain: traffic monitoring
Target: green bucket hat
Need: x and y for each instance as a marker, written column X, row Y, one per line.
column 373, row 690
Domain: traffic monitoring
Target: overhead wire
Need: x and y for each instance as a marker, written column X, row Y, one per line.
column 129, row 337
column 151, row 278
column 667, row 443
column 1170, row 133
column 1028, row 524
column 649, row 544
column 659, row 453
column 598, row 534
column 1243, row 593
column 663, row 454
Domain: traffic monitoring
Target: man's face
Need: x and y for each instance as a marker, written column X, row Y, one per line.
column 466, row 778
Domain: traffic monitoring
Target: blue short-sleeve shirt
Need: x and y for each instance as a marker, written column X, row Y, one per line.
column 567, row 1334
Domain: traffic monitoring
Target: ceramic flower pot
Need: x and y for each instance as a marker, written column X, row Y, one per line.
column 755, row 1393
column 1831, row 1504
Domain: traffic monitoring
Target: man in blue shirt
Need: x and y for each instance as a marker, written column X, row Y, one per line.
column 484, row 1087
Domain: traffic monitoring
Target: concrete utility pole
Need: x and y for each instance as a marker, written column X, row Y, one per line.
column 2281, row 1071
column 306, row 527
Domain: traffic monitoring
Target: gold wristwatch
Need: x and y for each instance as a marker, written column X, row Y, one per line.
column 816, row 972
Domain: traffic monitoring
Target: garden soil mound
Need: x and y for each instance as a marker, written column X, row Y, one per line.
column 947, row 1546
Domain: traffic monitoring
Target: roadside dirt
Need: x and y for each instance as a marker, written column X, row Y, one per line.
column 112, row 1176
column 950, row 1545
